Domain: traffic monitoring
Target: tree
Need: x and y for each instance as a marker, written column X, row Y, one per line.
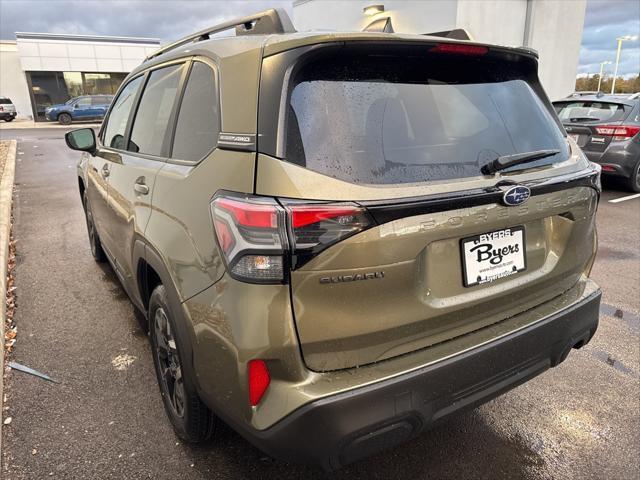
column 590, row 83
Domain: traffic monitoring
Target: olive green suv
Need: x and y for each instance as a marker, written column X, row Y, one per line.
column 340, row 238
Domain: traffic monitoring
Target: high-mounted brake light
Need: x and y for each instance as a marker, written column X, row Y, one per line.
column 259, row 237
column 619, row 132
column 460, row 49
column 259, row 380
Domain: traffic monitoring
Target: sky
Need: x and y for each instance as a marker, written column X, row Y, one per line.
column 606, row 20
column 169, row 19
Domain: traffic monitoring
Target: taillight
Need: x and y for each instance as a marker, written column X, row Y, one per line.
column 251, row 233
column 618, row 132
column 259, row 380
column 460, row 49
column 314, row 227
column 259, row 237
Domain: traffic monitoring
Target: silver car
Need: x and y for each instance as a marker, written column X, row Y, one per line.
column 7, row 109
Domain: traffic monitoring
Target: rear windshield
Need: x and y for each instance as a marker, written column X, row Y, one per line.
column 5, row 101
column 402, row 119
column 584, row 112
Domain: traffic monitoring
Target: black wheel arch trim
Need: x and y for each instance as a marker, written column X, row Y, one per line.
column 186, row 336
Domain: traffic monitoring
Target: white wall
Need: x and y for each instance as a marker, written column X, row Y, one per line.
column 555, row 26
column 80, row 55
column 13, row 83
column 500, row 22
column 556, row 33
column 407, row 16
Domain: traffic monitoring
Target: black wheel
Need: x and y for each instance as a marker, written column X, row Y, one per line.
column 10, row 119
column 94, row 240
column 633, row 182
column 191, row 419
column 64, row 119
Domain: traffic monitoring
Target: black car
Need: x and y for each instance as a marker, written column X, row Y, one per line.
column 607, row 128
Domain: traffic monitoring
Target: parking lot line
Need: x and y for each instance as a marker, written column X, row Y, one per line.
column 628, row 197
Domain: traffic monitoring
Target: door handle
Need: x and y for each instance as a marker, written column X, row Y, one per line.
column 141, row 187
column 105, row 170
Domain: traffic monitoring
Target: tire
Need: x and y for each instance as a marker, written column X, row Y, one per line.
column 192, row 421
column 633, row 182
column 64, row 119
column 94, row 240
column 10, row 119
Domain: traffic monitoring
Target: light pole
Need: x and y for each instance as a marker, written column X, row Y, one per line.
column 602, row 64
column 615, row 72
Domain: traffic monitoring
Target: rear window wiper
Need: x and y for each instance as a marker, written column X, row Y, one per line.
column 506, row 161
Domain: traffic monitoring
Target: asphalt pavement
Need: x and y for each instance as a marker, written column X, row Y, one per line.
column 105, row 420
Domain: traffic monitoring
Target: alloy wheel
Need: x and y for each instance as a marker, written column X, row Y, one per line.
column 170, row 370
column 91, row 229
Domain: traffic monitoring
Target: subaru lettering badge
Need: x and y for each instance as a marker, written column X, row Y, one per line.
column 516, row 195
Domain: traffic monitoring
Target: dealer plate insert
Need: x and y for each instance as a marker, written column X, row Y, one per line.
column 493, row 255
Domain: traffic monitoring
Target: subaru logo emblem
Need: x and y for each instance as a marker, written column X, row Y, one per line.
column 516, row 195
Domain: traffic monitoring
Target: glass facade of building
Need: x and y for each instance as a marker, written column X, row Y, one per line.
column 51, row 88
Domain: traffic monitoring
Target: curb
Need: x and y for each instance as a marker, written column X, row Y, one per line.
column 39, row 125
column 6, row 198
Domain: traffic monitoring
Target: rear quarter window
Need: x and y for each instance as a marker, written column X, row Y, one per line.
column 199, row 118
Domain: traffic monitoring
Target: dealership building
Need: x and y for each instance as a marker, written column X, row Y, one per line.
column 42, row 69
column 553, row 28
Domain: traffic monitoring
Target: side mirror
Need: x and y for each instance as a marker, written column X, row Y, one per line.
column 83, row 139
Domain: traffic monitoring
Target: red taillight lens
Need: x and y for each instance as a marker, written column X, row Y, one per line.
column 460, row 49
column 250, row 214
column 619, row 132
column 259, row 380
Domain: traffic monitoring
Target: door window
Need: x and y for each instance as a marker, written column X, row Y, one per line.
column 198, row 121
column 117, row 121
column 152, row 118
column 83, row 102
column 101, row 100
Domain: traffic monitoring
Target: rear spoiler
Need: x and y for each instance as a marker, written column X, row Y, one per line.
column 456, row 34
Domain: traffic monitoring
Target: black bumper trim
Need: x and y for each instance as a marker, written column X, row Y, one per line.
column 346, row 427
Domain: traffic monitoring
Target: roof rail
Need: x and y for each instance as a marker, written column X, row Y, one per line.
column 274, row 20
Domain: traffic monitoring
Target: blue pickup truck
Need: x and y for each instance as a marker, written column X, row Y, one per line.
column 87, row 107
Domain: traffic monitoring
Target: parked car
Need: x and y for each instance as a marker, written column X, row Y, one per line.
column 7, row 109
column 607, row 128
column 338, row 239
column 87, row 107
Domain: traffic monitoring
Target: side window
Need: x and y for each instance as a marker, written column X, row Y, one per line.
column 199, row 120
column 117, row 121
column 99, row 101
column 83, row 102
column 152, row 118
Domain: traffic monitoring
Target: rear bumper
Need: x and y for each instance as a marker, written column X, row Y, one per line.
column 347, row 427
column 4, row 115
column 619, row 159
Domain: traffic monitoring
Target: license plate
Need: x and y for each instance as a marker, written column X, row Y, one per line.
column 490, row 256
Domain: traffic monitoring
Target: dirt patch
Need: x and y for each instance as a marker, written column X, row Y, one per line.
column 4, row 151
